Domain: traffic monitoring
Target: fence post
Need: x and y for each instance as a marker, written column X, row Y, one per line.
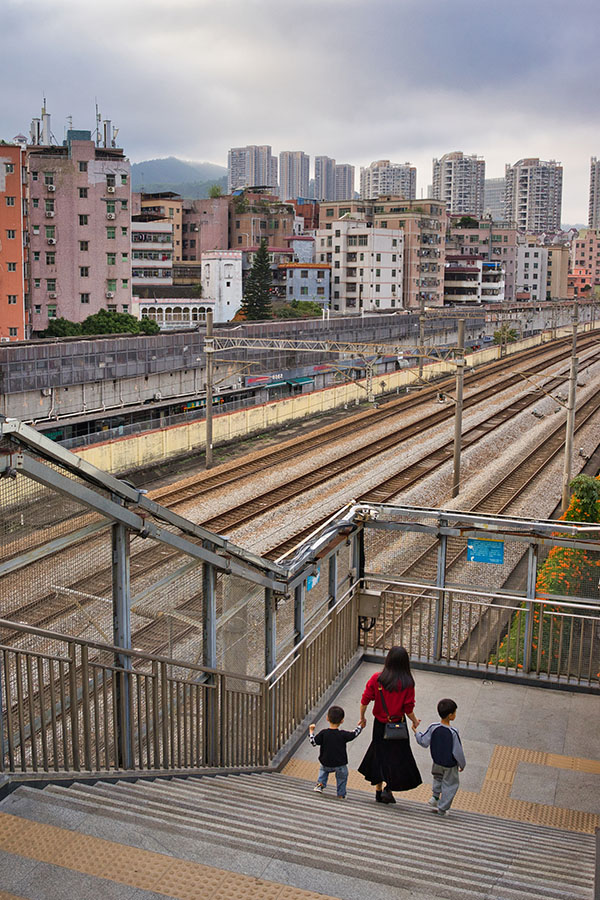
column 270, row 631
column 209, row 613
column 299, row 602
column 333, row 579
column 358, row 554
column 532, row 558
column 440, row 582
column 121, row 594
column 2, row 745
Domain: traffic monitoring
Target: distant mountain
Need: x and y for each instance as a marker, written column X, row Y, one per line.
column 190, row 179
column 578, row 226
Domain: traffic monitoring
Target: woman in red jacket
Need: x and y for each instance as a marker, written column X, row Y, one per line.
column 390, row 762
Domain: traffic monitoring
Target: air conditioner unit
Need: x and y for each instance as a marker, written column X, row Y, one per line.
column 109, row 295
column 51, row 240
column 52, row 295
column 111, row 189
column 110, row 216
column 51, row 187
column 49, row 214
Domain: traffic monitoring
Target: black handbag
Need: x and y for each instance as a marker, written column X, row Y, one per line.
column 393, row 731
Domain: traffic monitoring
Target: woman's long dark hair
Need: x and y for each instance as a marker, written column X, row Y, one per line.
column 396, row 672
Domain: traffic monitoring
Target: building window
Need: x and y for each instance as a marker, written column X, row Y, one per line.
column 13, row 332
column 378, row 257
column 50, row 259
column 83, row 192
column 82, row 165
column 112, row 307
column 37, row 282
column 111, row 284
column 49, row 206
column 329, row 212
column 84, row 245
column 11, row 234
column 304, row 273
column 377, row 273
column 111, row 259
column 124, row 282
column 304, row 291
column 11, row 267
column 12, row 299
column 36, row 229
column 36, row 203
column 123, row 179
column 290, row 289
column 34, row 176
column 9, row 168
column 123, row 204
column 320, row 292
column 377, row 288
column 363, row 240
column 85, row 298
column 111, row 206
column 125, row 307
column 111, row 181
column 124, row 232
column 36, row 255
column 84, row 271
column 50, row 284
column 48, row 178
column 37, row 309
column 83, row 220
column 111, row 232
column 51, row 312
column 10, row 201
column 124, row 257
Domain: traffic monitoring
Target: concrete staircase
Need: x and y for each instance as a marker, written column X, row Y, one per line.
column 352, row 849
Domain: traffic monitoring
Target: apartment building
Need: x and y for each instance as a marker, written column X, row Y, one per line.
column 308, row 210
column 459, row 181
column 594, row 204
column 585, row 254
column 533, row 197
column 79, row 227
column 166, row 206
column 251, row 166
column 294, row 174
column 307, row 281
column 13, row 243
column 494, row 190
column 324, row 178
column 423, row 224
column 151, row 252
column 490, row 240
column 384, row 178
column 254, row 215
column 472, row 280
column 532, row 272
column 366, row 265
column 557, row 277
column 344, row 181
column 204, row 226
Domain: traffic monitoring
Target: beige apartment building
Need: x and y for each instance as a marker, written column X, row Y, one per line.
column 557, row 278
column 167, row 207
column 423, row 223
column 490, row 240
column 384, row 178
column 585, row 253
column 459, row 181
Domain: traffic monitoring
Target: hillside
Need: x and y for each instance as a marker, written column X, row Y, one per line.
column 191, row 179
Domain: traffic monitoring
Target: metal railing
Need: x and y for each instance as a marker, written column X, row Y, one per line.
column 552, row 640
column 93, row 707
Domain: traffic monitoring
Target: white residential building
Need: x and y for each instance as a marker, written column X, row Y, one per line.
column 251, row 166
column 534, row 195
column 458, row 181
column 294, row 172
column 594, row 208
column 532, row 271
column 366, row 265
column 222, row 282
column 384, row 178
column 151, row 254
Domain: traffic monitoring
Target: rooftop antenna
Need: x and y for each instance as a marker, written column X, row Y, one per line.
column 98, row 123
column 69, row 125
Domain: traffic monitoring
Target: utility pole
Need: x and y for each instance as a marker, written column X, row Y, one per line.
column 209, row 349
column 460, row 375
column 571, row 406
column 421, row 337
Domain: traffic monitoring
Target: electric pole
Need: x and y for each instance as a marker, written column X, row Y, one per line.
column 209, row 350
column 460, row 374
column 571, row 406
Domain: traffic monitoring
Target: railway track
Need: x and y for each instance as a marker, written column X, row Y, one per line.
column 45, row 610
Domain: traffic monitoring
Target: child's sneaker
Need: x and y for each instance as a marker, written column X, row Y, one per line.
column 318, row 788
column 341, row 796
column 441, row 812
column 433, row 801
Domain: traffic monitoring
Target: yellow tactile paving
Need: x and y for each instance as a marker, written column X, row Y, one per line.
column 157, row 872
column 5, row 896
column 494, row 797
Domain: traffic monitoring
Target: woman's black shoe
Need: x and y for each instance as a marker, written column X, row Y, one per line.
column 378, row 797
column 387, row 796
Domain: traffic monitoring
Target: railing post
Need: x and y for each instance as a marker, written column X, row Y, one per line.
column 299, row 603
column 2, row 745
column 209, row 613
column 440, row 582
column 121, row 593
column 270, row 631
column 333, row 579
column 358, row 554
column 532, row 558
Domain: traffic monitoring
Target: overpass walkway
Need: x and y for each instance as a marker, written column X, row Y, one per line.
column 521, row 827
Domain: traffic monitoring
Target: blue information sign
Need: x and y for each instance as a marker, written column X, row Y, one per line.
column 485, row 551
column 313, row 579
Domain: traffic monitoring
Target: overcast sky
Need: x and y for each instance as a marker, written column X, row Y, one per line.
column 357, row 80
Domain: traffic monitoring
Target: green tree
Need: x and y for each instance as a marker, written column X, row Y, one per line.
column 107, row 322
column 257, row 292
column 62, row 328
column 467, row 222
column 215, row 191
column 505, row 335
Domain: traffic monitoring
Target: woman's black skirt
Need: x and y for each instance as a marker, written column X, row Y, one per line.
column 390, row 762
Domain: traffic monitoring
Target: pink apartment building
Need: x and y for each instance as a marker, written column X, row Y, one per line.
column 79, row 228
